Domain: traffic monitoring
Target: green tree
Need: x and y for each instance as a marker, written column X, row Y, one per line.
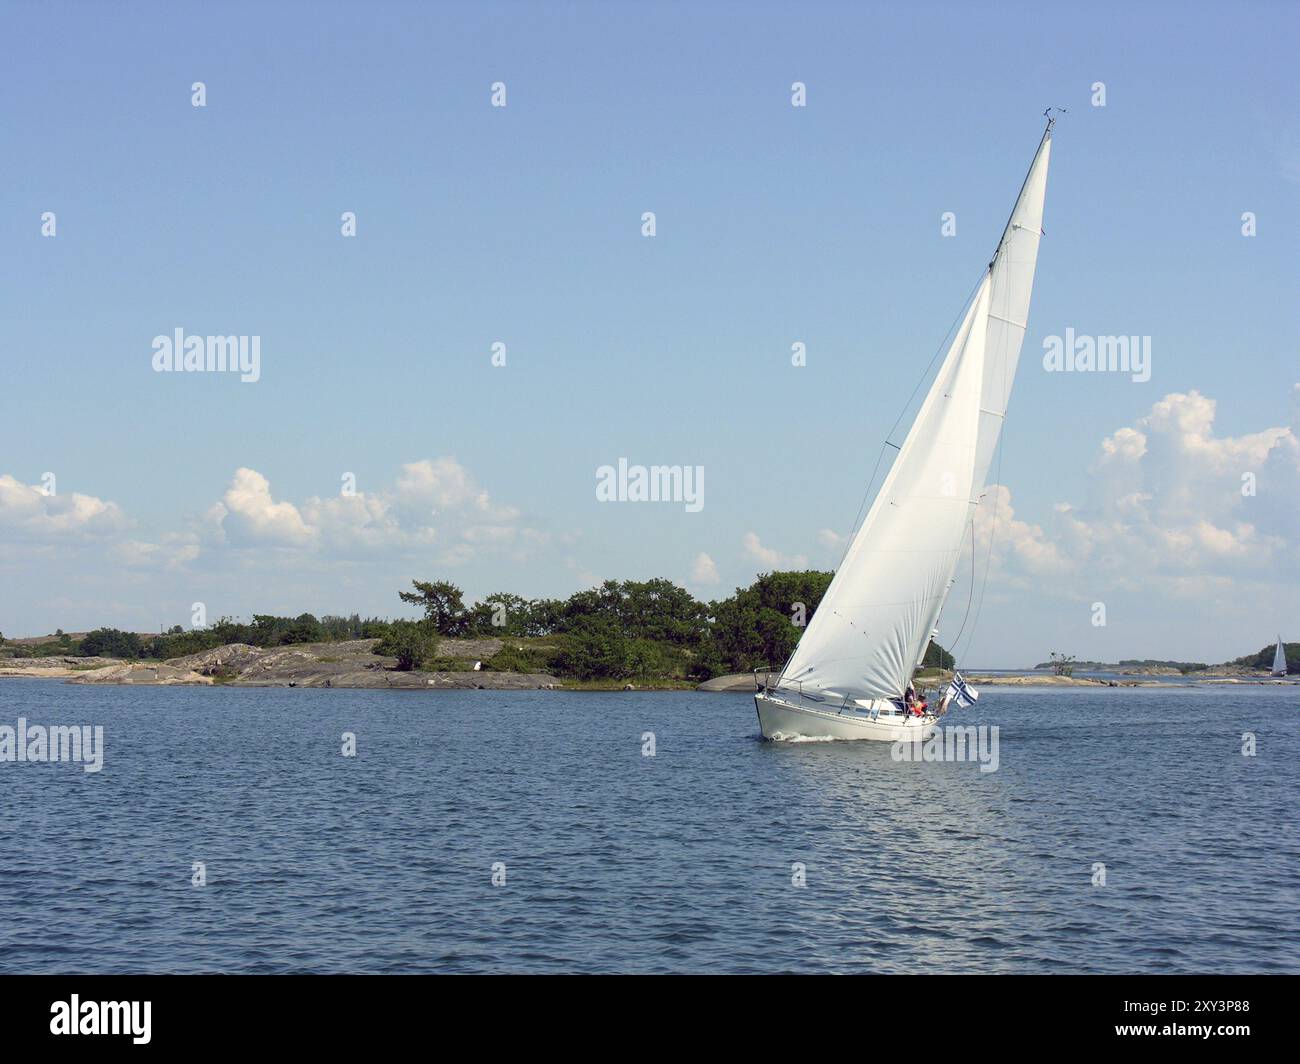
column 594, row 648
column 760, row 625
column 545, row 617
column 937, row 658
column 645, row 609
column 443, row 605
column 335, row 628
column 1061, row 664
column 269, row 631
column 412, row 643
column 512, row 611
column 111, row 643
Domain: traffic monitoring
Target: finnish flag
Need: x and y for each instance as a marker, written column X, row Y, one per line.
column 961, row 692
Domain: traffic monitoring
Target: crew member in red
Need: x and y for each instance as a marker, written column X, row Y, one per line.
column 915, row 703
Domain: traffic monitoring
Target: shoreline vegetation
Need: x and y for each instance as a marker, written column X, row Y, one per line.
column 628, row 635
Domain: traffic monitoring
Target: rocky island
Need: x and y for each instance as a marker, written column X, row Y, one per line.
column 350, row 663
column 628, row 635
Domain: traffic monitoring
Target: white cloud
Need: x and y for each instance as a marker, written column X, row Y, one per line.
column 1015, row 542
column 433, row 510
column 250, row 517
column 772, row 559
column 174, row 552
column 361, row 521
column 27, row 511
column 705, row 570
column 443, row 483
column 583, row 576
column 1166, row 505
column 434, row 505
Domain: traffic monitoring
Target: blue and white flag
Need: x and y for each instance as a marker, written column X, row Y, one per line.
column 961, row 692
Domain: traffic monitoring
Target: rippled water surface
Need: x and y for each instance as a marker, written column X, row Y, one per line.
column 616, row 861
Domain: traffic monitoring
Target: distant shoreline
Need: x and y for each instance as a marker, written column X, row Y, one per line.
column 744, row 681
column 352, row 665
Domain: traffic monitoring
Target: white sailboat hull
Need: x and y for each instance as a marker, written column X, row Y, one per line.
column 779, row 720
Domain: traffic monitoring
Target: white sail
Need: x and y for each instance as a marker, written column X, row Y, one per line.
column 875, row 621
column 1012, row 271
column 1279, row 659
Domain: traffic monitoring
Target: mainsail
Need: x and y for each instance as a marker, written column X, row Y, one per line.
column 875, row 621
column 1279, row 659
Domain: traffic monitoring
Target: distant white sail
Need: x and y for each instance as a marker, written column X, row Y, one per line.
column 876, row 619
column 1279, row 658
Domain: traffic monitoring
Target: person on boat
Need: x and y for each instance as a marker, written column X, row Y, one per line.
column 915, row 703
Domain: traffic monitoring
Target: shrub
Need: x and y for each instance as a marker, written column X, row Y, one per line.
column 108, row 643
column 411, row 642
column 521, row 659
column 594, row 649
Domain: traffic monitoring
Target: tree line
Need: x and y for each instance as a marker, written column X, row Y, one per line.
column 264, row 630
column 629, row 629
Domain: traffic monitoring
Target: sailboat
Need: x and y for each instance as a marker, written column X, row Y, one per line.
column 850, row 675
column 1279, row 659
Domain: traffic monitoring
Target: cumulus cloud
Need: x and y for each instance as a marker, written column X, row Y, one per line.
column 445, row 483
column 362, row 521
column 433, row 507
column 1169, row 501
column 249, row 516
column 769, row 558
column 433, row 504
column 26, row 510
column 1014, row 542
column 705, row 570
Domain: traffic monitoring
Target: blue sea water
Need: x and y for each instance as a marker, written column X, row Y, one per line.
column 614, row 861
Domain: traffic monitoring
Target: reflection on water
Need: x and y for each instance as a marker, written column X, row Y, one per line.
column 614, row 861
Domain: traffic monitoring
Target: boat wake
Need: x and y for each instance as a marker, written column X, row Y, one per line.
column 781, row 737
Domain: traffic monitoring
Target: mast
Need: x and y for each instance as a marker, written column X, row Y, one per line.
column 1047, row 135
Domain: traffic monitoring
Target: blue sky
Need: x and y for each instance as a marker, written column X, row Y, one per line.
column 521, row 224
